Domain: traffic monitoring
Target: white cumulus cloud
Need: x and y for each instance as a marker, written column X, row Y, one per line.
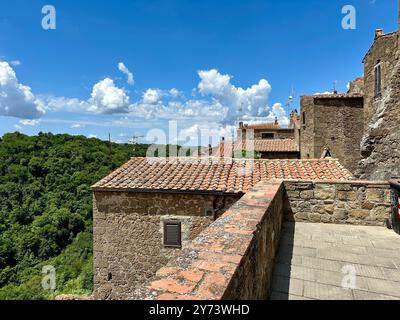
column 252, row 101
column 152, row 96
column 125, row 70
column 107, row 98
column 16, row 99
column 216, row 100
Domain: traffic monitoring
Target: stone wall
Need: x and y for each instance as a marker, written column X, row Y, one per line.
column 335, row 123
column 278, row 133
column 232, row 259
column 380, row 144
column 352, row 202
column 307, row 128
column 384, row 49
column 256, row 134
column 128, row 235
column 357, row 86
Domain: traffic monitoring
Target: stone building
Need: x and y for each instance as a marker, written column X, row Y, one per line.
column 270, row 131
column 380, row 144
column 268, row 140
column 332, row 121
column 145, row 212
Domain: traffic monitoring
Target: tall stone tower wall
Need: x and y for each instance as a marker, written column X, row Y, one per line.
column 380, row 146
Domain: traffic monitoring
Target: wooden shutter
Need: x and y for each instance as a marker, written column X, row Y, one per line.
column 172, row 234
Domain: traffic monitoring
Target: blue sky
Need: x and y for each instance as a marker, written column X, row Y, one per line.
column 73, row 76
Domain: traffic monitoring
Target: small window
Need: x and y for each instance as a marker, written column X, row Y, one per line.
column 172, row 234
column 304, row 119
column 378, row 79
column 267, row 136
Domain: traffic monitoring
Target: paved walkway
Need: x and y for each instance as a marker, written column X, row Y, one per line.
column 314, row 260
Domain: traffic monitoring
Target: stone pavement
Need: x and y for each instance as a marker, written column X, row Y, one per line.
column 314, row 260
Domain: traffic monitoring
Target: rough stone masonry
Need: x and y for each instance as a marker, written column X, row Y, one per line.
column 380, row 144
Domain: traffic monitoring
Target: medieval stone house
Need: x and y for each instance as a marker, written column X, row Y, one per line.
column 335, row 122
column 266, row 140
column 149, row 209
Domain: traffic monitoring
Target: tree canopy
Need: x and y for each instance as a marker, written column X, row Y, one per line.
column 46, row 209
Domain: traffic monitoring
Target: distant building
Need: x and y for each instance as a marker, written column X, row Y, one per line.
column 333, row 122
column 269, row 140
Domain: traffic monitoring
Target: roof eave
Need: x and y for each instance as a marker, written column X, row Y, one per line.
column 168, row 191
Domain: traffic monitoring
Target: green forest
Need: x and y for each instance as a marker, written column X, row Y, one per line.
column 46, row 209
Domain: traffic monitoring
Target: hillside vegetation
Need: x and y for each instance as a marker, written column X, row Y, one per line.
column 46, row 210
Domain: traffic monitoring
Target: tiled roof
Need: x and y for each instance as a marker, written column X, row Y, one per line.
column 267, row 145
column 263, row 126
column 214, row 174
column 338, row 96
column 271, row 145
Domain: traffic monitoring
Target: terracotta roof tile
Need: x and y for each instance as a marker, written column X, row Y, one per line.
column 338, row 96
column 214, row 174
column 263, row 126
column 272, row 145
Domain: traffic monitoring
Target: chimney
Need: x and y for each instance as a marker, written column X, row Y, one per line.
column 241, row 124
column 210, row 150
column 222, row 148
column 378, row 33
column 276, row 121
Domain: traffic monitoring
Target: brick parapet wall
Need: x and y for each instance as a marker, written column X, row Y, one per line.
column 233, row 258
column 342, row 202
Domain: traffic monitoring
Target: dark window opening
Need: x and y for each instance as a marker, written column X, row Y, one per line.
column 304, row 119
column 378, row 80
column 267, row 136
column 172, row 234
column 109, row 276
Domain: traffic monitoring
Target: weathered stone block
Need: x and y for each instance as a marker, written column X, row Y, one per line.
column 314, row 217
column 340, row 214
column 347, row 195
column 367, row 205
column 375, row 195
column 324, row 192
column 301, row 216
column 293, row 194
column 326, row 218
column 307, row 194
column 359, row 213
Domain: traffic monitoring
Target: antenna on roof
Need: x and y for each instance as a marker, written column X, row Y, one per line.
column 134, row 141
column 334, row 87
column 290, row 100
